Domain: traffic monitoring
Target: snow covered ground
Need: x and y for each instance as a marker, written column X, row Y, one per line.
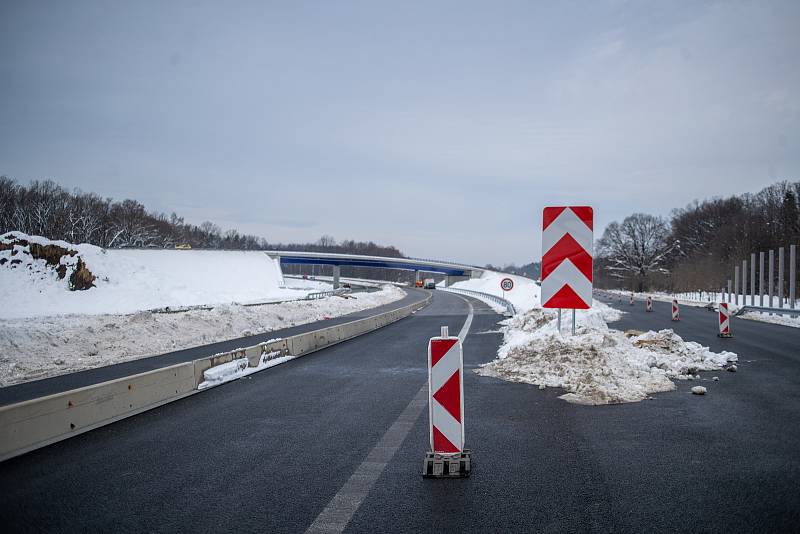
column 705, row 298
column 48, row 346
column 598, row 365
column 129, row 281
column 524, row 296
column 46, row 329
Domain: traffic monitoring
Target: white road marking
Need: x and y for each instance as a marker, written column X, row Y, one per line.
column 343, row 505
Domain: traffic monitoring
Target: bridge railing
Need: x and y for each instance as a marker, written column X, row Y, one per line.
column 509, row 307
column 446, row 262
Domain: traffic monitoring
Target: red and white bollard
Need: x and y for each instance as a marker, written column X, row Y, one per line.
column 648, row 304
column 631, row 303
column 724, row 320
column 447, row 457
column 675, row 311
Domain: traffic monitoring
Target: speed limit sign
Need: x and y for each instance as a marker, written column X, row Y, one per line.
column 507, row 284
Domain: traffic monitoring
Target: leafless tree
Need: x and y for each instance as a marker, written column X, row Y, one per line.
column 636, row 248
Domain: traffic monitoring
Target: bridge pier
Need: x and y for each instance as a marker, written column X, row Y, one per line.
column 416, row 276
column 337, row 271
column 450, row 280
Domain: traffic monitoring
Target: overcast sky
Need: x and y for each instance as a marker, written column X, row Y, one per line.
column 443, row 128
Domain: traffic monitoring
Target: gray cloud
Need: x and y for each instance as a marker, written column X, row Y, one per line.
column 441, row 128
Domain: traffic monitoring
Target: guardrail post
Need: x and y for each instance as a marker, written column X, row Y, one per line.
column 729, row 291
column 780, row 277
column 771, row 275
column 736, row 285
column 753, row 279
column 792, row 274
column 761, row 279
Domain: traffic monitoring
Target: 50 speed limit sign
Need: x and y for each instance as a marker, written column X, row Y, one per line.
column 506, row 284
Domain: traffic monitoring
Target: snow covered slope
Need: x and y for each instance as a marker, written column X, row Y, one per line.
column 128, row 281
column 524, row 296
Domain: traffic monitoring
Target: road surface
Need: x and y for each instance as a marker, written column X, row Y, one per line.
column 272, row 453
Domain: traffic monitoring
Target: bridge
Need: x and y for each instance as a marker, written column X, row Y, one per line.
column 454, row 271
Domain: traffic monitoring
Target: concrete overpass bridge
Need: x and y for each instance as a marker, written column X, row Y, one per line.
column 453, row 271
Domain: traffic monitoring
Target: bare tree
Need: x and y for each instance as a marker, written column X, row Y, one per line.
column 636, row 248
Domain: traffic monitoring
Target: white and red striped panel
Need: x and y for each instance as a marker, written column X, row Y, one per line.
column 567, row 251
column 724, row 319
column 446, row 395
column 676, row 313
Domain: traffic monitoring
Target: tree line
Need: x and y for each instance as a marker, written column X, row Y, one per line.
column 699, row 245
column 47, row 209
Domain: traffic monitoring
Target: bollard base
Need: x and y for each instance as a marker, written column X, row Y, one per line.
column 447, row 465
column 676, row 320
column 724, row 335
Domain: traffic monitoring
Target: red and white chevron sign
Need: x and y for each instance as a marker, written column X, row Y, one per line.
column 567, row 248
column 446, row 395
column 724, row 320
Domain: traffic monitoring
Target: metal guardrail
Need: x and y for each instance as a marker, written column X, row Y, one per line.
column 446, row 262
column 323, row 294
column 510, row 310
column 763, row 309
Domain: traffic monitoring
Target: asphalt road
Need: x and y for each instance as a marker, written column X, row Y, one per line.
column 269, row 453
column 66, row 382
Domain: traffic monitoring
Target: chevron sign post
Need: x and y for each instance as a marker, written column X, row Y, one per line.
column 567, row 248
column 724, row 320
column 675, row 311
column 447, row 458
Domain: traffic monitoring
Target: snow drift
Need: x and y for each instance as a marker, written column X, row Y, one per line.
column 524, row 296
column 38, row 348
column 128, row 281
column 598, row 365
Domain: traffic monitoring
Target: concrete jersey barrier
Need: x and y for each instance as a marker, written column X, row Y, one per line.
column 29, row 425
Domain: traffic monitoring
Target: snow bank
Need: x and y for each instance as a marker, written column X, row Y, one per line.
column 236, row 369
column 128, row 281
column 598, row 365
column 524, row 296
column 31, row 349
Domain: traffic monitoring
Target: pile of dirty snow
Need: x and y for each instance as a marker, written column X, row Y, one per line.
column 598, row 365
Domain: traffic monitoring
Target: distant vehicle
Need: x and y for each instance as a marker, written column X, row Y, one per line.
column 183, row 246
column 430, row 283
column 418, row 283
column 346, row 285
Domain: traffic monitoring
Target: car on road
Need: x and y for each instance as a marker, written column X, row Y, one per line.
column 430, row 283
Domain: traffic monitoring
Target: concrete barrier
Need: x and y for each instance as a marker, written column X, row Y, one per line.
column 35, row 423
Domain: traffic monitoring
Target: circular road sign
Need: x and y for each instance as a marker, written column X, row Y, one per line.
column 507, row 284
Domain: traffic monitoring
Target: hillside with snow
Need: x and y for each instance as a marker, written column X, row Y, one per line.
column 49, row 327
column 525, row 295
column 128, row 281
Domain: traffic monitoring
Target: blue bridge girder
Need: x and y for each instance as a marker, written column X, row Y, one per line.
column 352, row 260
